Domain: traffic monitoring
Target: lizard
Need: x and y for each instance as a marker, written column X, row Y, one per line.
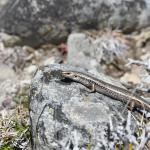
column 100, row 86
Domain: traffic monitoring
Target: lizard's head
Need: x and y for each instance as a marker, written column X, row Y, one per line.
column 71, row 75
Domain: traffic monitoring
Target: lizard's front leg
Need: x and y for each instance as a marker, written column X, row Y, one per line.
column 91, row 88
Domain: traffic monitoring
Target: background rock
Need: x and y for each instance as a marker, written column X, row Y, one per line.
column 8, row 86
column 9, row 40
column 39, row 21
column 88, row 52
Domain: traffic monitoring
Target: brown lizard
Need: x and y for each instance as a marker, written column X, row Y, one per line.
column 97, row 85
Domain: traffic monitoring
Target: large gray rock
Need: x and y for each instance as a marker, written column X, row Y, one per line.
column 39, row 21
column 66, row 116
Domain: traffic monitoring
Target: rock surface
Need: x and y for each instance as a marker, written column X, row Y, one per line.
column 39, row 21
column 88, row 52
column 64, row 115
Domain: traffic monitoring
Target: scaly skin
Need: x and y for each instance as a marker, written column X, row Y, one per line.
column 108, row 89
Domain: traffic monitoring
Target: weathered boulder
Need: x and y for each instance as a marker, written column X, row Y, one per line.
column 89, row 52
column 39, row 21
column 66, row 116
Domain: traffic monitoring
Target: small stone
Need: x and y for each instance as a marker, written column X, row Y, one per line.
column 6, row 73
column 52, row 60
column 31, row 69
column 7, row 102
column 9, row 40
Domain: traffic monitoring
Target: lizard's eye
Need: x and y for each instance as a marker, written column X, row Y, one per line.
column 75, row 76
column 66, row 73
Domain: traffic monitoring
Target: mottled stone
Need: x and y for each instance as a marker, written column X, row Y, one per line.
column 39, row 21
column 9, row 40
column 65, row 115
column 88, row 52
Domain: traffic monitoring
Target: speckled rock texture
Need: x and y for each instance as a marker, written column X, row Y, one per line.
column 88, row 52
column 64, row 115
column 39, row 21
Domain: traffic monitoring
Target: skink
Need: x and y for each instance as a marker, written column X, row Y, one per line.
column 115, row 92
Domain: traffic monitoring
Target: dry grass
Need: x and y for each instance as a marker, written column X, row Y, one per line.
column 14, row 127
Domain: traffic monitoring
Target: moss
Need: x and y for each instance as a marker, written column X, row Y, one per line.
column 6, row 147
column 21, row 99
column 17, row 129
column 88, row 146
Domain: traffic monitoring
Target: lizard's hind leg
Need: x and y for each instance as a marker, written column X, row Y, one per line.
column 129, row 105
